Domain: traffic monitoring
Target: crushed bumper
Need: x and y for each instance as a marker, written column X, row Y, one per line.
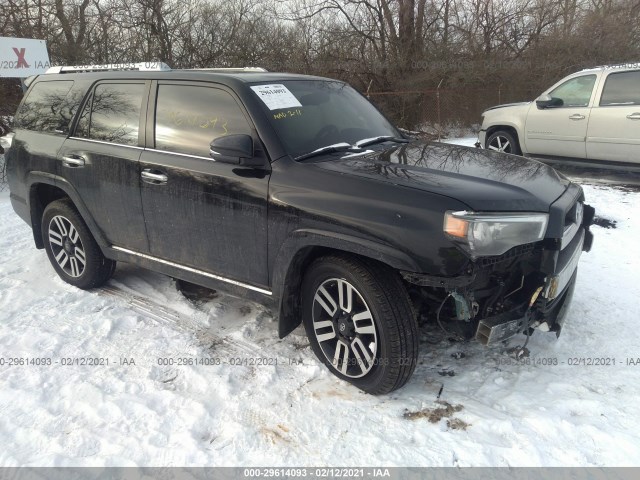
column 502, row 327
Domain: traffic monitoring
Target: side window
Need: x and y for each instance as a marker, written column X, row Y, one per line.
column 575, row 92
column 46, row 108
column 112, row 113
column 189, row 117
column 621, row 89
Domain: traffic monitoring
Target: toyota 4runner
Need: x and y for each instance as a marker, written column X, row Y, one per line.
column 296, row 192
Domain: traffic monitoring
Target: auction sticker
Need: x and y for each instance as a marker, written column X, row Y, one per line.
column 276, row 96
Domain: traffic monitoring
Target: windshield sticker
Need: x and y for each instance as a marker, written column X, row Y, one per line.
column 276, row 97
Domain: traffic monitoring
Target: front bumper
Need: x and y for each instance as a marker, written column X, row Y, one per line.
column 549, row 303
column 482, row 138
column 529, row 286
column 549, row 316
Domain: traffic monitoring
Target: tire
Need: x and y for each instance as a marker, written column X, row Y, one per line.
column 69, row 243
column 503, row 141
column 381, row 344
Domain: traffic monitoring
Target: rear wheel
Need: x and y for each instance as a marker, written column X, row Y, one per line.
column 360, row 323
column 71, row 248
column 503, row 141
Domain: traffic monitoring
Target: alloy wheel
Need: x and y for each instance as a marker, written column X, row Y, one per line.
column 500, row 144
column 344, row 328
column 66, row 246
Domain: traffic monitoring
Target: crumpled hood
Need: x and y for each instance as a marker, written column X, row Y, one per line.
column 482, row 179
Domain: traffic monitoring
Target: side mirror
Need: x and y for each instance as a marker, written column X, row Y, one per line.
column 235, row 149
column 547, row 101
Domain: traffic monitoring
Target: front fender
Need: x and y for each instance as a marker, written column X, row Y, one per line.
column 513, row 117
column 303, row 246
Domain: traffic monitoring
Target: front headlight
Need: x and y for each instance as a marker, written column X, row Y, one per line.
column 484, row 234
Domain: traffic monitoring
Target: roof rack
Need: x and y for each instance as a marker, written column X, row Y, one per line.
column 141, row 67
column 630, row 65
column 232, row 69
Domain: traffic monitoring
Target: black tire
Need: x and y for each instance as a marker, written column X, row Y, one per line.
column 65, row 235
column 496, row 140
column 379, row 293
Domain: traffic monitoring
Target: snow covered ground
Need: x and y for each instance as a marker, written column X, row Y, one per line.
column 497, row 412
column 464, row 141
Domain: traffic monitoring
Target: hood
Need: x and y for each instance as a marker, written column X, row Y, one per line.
column 484, row 180
column 516, row 104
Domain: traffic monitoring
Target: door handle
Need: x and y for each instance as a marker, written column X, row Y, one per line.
column 73, row 161
column 576, row 116
column 154, row 178
column 634, row 116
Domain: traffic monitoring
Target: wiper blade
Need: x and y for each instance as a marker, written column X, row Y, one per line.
column 338, row 147
column 383, row 138
column 342, row 146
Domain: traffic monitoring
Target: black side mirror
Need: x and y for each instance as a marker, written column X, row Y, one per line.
column 235, row 149
column 547, row 101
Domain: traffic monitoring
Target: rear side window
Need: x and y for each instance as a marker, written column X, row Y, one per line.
column 112, row 113
column 47, row 108
column 189, row 118
column 621, row 89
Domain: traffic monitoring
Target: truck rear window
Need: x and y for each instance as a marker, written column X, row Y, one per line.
column 46, row 109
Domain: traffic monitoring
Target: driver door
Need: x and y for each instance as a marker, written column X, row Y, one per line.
column 202, row 214
column 562, row 130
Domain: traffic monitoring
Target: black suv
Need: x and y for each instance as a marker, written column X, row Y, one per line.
column 296, row 192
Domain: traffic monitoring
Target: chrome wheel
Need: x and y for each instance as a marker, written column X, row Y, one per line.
column 500, row 143
column 344, row 328
column 66, row 246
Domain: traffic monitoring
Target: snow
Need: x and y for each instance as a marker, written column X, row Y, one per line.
column 464, row 141
column 498, row 412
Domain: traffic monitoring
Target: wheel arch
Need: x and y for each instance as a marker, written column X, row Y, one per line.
column 512, row 128
column 305, row 246
column 45, row 188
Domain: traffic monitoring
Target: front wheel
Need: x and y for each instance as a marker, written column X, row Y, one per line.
column 503, row 141
column 71, row 248
column 360, row 322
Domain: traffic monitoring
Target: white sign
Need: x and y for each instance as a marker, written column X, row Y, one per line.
column 276, row 96
column 23, row 57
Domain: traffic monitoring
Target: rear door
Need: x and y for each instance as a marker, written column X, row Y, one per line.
column 100, row 160
column 614, row 128
column 200, row 213
column 561, row 131
column 41, row 126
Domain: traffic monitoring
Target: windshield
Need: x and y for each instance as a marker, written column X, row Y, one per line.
column 311, row 114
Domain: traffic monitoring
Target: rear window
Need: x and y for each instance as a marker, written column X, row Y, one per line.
column 112, row 113
column 47, row 107
column 621, row 89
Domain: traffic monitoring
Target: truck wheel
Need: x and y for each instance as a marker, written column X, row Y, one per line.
column 360, row 323
column 71, row 248
column 503, row 141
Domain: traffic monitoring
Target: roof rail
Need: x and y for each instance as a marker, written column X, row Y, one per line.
column 629, row 65
column 142, row 67
column 232, row 69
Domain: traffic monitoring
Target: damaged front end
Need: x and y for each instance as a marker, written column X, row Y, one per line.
column 509, row 287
